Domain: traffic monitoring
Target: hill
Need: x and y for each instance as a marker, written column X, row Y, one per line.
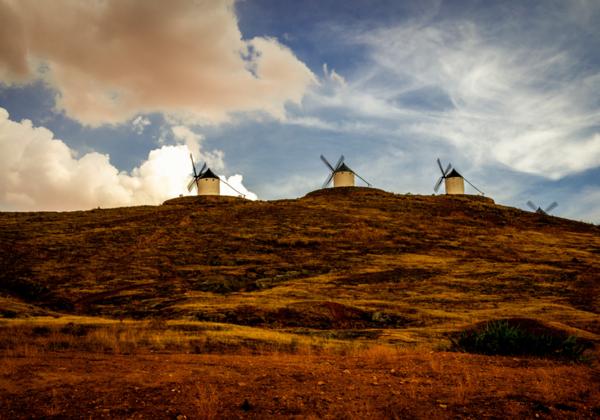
column 345, row 303
column 401, row 267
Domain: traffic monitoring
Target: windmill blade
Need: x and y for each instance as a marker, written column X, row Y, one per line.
column 202, row 170
column 551, row 207
column 440, row 165
column 339, row 162
column 193, row 167
column 327, row 163
column 191, row 184
column 329, row 178
column 447, row 171
column 532, row 206
column 438, row 184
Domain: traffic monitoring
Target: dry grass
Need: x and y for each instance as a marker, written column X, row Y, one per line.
column 207, row 404
column 294, row 293
column 377, row 382
column 28, row 338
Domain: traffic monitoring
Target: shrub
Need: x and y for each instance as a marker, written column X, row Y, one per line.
column 519, row 337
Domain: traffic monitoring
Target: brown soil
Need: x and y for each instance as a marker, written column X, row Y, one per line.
column 405, row 385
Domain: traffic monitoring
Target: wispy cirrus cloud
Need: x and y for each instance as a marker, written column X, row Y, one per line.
column 499, row 96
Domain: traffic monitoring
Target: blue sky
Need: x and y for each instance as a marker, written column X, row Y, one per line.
column 104, row 102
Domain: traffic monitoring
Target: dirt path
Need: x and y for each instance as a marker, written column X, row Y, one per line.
column 432, row 385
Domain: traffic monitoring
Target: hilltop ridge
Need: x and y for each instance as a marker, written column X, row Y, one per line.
column 335, row 259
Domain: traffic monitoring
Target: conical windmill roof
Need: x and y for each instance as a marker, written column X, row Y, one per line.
column 454, row 174
column 208, row 174
column 343, row 168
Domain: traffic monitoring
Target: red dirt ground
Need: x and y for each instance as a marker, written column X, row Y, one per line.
column 403, row 385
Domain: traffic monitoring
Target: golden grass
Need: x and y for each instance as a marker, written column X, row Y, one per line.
column 34, row 336
column 341, row 270
column 206, row 402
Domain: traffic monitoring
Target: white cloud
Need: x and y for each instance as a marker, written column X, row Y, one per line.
column 110, row 61
column 139, row 124
column 532, row 108
column 333, row 75
column 39, row 172
column 193, row 141
column 234, row 186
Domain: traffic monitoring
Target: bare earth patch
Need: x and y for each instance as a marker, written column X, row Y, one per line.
column 375, row 384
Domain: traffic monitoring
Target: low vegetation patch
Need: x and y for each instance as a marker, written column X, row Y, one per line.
column 18, row 338
column 321, row 315
column 519, row 336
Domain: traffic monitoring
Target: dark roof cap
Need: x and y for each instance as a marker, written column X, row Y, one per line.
column 454, row 174
column 343, row 168
column 208, row 174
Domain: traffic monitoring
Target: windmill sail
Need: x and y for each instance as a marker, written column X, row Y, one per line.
column 328, row 180
column 191, row 184
column 336, row 170
column 326, row 162
column 551, row 207
column 437, row 185
column 196, row 175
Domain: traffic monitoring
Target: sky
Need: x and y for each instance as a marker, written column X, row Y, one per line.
column 101, row 102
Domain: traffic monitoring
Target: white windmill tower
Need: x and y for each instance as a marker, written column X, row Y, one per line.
column 206, row 182
column 341, row 174
column 539, row 210
column 454, row 182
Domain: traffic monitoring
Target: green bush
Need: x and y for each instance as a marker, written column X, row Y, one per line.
column 511, row 338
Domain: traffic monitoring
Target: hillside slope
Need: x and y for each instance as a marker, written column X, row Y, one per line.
column 346, row 260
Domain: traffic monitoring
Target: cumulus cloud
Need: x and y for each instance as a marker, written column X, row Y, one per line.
column 193, row 141
column 112, row 60
column 39, row 172
column 234, row 186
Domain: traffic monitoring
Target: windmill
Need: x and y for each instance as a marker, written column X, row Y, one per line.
column 341, row 174
column 206, row 182
column 539, row 210
column 453, row 181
